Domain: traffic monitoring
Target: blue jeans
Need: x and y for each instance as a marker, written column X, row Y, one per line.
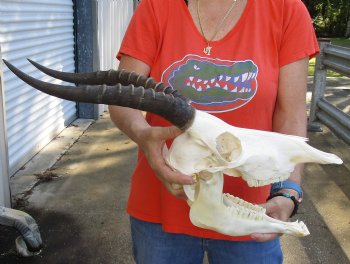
column 151, row 245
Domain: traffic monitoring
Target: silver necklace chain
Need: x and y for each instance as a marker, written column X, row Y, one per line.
column 208, row 48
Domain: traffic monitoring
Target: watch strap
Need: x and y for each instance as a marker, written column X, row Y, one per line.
column 287, row 184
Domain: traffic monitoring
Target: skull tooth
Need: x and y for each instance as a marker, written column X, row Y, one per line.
column 245, row 214
column 250, row 215
column 244, row 203
column 252, row 212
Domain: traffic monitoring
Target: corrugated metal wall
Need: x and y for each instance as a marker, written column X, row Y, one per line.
column 113, row 19
column 43, row 31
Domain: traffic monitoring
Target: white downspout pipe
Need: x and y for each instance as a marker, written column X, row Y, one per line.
column 5, row 197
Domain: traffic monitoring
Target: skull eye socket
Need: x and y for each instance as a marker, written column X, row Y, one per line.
column 228, row 146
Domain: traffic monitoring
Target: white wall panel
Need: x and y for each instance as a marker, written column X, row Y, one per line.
column 113, row 17
column 43, row 31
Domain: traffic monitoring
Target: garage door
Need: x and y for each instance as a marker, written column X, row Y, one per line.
column 43, row 31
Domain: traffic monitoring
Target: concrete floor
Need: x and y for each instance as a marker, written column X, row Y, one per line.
column 81, row 210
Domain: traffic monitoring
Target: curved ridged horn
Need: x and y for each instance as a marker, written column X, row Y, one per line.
column 110, row 77
column 174, row 109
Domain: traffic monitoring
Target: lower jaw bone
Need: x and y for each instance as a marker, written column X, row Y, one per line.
column 229, row 215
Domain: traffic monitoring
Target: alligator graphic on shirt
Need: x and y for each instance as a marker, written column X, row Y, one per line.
column 215, row 84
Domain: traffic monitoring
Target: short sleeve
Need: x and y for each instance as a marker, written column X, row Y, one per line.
column 141, row 38
column 298, row 36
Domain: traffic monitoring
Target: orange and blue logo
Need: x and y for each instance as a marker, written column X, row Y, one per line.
column 213, row 85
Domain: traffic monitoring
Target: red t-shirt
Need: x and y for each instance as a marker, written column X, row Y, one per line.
column 237, row 83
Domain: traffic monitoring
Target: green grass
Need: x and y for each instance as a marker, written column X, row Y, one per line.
column 311, row 68
column 345, row 42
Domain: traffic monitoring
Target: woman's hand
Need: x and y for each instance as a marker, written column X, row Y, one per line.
column 279, row 208
column 151, row 140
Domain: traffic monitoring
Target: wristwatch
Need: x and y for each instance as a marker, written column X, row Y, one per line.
column 276, row 187
column 288, row 184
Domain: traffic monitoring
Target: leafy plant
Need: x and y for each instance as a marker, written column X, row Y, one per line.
column 330, row 17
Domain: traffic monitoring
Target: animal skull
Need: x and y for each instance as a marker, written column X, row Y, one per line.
column 259, row 157
column 205, row 154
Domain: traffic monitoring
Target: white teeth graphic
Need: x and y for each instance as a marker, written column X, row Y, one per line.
column 191, row 78
column 226, row 87
column 236, row 79
column 199, row 89
column 253, row 76
column 228, row 78
column 244, row 76
column 242, row 90
column 199, row 80
column 208, row 86
column 234, row 90
column 193, row 86
column 250, row 76
column 220, row 77
column 212, row 80
column 188, row 84
column 217, row 85
column 206, row 81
